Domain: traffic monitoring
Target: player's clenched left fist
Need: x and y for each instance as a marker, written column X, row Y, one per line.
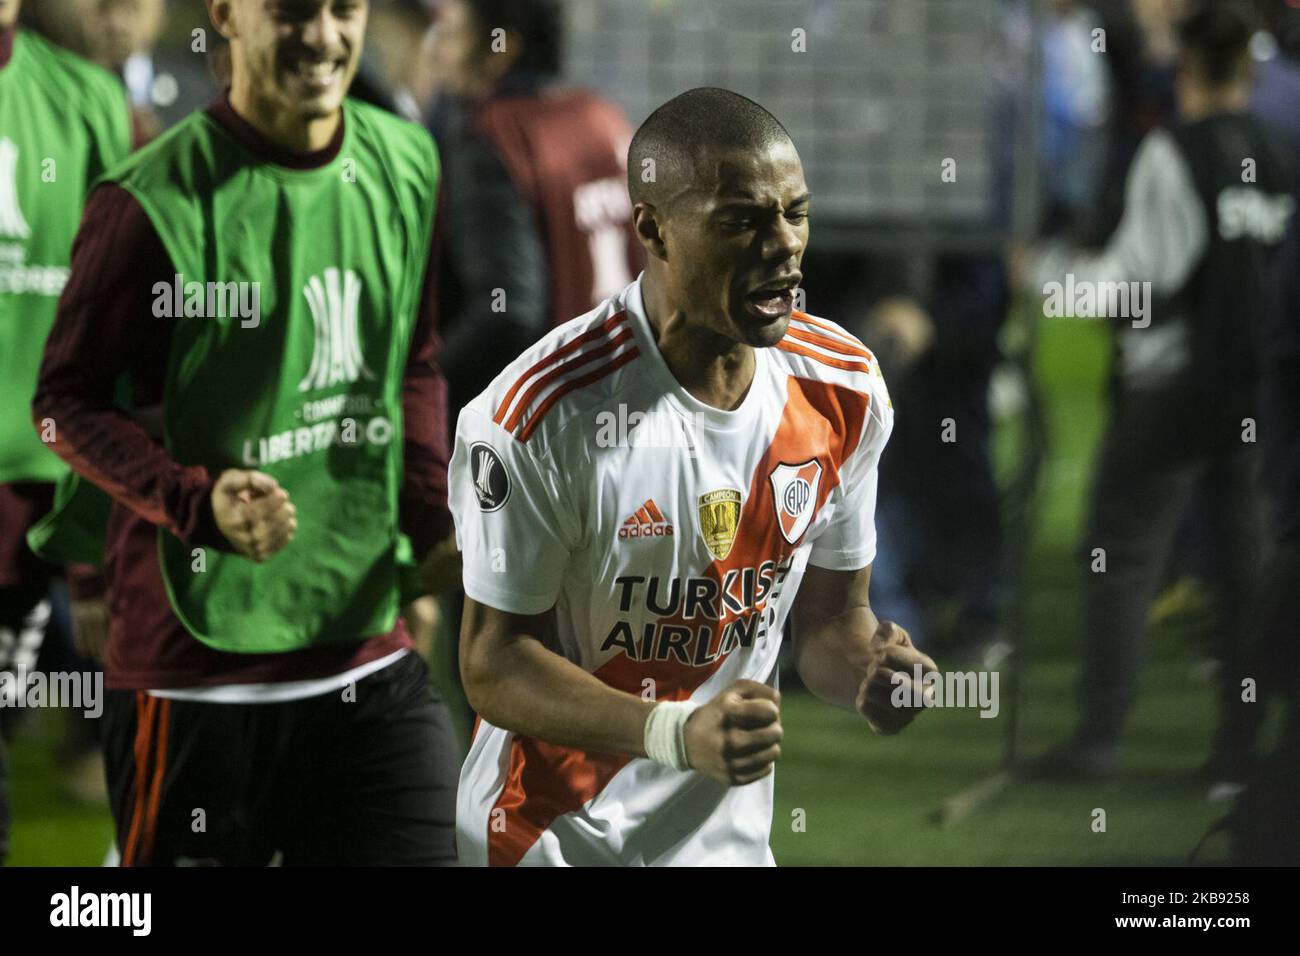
column 253, row 512
column 892, row 662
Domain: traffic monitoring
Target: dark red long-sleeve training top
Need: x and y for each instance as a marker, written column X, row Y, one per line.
column 105, row 327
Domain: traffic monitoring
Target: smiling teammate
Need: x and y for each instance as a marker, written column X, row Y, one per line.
column 625, row 681
column 257, row 668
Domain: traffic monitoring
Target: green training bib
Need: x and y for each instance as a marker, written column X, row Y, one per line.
column 63, row 121
column 292, row 311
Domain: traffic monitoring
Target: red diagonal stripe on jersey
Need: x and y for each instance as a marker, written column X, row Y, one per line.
column 526, row 432
column 785, row 345
column 834, row 345
column 655, row 514
column 577, row 362
column 837, row 334
column 599, row 331
column 826, row 327
column 545, row 781
column 642, row 515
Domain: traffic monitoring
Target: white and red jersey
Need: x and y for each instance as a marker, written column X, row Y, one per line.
column 670, row 538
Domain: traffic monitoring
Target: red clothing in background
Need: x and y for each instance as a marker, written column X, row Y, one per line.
column 566, row 152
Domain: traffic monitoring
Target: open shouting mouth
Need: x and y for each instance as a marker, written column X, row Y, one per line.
column 773, row 299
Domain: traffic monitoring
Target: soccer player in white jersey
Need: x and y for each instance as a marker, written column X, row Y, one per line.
column 643, row 500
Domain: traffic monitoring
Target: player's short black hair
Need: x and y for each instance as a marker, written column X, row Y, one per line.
column 539, row 22
column 676, row 133
column 1216, row 35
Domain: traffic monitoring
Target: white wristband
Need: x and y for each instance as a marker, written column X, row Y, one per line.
column 665, row 733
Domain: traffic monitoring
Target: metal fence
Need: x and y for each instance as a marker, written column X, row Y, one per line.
column 877, row 94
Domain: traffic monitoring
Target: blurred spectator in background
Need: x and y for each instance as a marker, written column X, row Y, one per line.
column 1264, row 819
column 1139, row 60
column 393, row 65
column 1077, row 102
column 536, row 213
column 1137, row 52
column 1208, row 239
column 940, row 523
column 1275, row 97
column 166, row 82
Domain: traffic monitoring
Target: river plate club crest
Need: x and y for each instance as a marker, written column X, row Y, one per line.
column 794, row 492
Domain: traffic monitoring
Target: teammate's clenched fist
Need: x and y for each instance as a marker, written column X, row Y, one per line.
column 736, row 737
column 893, row 662
column 253, row 512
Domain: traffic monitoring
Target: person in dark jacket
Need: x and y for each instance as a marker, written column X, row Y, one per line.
column 1201, row 243
column 538, row 224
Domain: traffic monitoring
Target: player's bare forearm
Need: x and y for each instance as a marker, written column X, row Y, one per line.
column 848, row 657
column 514, row 682
column 832, row 655
column 834, row 624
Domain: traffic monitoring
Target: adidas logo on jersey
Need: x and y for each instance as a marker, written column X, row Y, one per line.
column 648, row 522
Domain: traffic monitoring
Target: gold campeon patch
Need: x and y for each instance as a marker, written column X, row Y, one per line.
column 719, row 516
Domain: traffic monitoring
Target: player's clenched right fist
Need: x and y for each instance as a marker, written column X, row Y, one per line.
column 253, row 512
column 736, row 737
